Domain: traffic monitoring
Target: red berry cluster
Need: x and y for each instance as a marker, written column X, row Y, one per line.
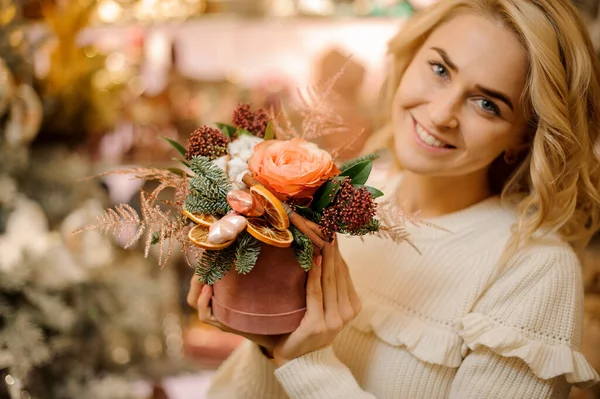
column 207, row 142
column 352, row 208
column 254, row 122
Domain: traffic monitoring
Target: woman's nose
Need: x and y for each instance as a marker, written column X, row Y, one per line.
column 443, row 110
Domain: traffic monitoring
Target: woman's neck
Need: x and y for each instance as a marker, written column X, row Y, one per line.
column 436, row 196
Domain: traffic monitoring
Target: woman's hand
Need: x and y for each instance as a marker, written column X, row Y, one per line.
column 331, row 303
column 199, row 297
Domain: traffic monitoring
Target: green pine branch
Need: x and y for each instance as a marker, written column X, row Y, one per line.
column 303, row 248
column 197, row 203
column 369, row 157
column 372, row 226
column 203, row 166
column 214, row 265
column 247, row 253
column 209, row 188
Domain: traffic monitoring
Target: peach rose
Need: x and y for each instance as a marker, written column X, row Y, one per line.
column 291, row 168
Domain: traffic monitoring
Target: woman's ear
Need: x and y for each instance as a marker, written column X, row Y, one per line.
column 515, row 152
column 523, row 142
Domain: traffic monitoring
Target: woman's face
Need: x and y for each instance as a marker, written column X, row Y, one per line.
column 458, row 106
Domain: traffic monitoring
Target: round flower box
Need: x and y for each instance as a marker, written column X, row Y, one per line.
column 259, row 205
column 270, row 300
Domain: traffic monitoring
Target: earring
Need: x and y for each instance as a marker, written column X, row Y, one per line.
column 510, row 157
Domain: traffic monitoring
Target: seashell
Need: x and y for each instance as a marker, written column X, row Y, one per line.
column 238, row 222
column 221, row 232
column 244, row 203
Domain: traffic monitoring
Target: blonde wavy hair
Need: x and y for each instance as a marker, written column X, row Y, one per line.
column 556, row 181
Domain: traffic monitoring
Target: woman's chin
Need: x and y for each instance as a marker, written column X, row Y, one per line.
column 414, row 163
column 419, row 168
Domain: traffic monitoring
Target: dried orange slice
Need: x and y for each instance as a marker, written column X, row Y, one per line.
column 199, row 236
column 198, row 218
column 274, row 211
column 262, row 231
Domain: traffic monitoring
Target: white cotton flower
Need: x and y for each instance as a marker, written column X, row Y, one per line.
column 243, row 147
column 238, row 180
column 237, row 168
column 221, row 162
column 245, row 154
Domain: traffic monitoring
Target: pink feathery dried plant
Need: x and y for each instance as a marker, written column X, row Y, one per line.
column 159, row 225
column 319, row 118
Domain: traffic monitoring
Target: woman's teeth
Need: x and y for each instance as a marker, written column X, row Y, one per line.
column 429, row 139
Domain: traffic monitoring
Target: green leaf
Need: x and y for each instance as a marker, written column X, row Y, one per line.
column 181, row 161
column 348, row 164
column 179, row 172
column 326, row 193
column 374, row 192
column 241, row 131
column 180, row 149
column 226, row 129
column 269, row 131
column 359, row 173
column 307, row 213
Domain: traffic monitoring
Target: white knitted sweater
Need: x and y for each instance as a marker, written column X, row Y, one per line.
column 448, row 323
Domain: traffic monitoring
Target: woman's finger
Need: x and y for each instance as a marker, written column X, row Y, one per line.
column 344, row 275
column 317, row 229
column 346, row 309
column 317, row 257
column 328, row 282
column 314, row 293
column 333, row 318
column 205, row 311
column 195, row 287
column 203, row 303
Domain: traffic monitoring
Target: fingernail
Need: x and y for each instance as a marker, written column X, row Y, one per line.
column 204, row 289
column 319, row 260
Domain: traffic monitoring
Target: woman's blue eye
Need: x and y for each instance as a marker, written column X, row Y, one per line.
column 439, row 69
column 489, row 106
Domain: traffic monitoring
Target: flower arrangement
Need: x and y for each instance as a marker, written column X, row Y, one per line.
column 257, row 181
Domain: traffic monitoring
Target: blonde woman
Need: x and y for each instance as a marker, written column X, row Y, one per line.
column 494, row 113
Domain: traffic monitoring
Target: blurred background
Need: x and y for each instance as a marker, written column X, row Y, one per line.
column 89, row 86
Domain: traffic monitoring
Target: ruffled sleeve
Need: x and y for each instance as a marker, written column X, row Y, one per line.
column 530, row 319
column 246, row 373
column 429, row 340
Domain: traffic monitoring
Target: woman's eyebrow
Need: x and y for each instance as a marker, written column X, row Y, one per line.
column 497, row 95
column 487, row 91
column 445, row 58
